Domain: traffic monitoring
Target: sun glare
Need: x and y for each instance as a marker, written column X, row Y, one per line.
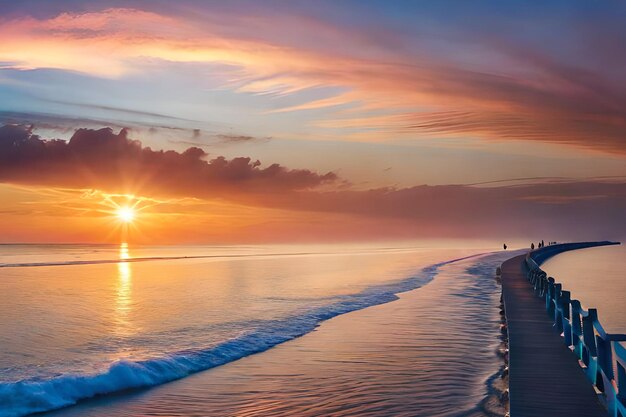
column 126, row 214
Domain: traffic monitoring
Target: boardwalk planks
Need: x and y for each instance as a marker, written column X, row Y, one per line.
column 545, row 379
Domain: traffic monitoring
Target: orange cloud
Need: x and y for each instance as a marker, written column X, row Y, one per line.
column 240, row 201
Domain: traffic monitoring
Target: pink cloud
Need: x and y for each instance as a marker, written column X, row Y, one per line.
column 395, row 93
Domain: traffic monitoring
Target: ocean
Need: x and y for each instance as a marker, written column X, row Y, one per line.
column 79, row 321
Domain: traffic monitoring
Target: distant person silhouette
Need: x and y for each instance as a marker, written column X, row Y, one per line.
column 504, row 246
column 532, row 246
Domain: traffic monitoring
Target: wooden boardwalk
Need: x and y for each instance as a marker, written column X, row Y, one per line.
column 545, row 379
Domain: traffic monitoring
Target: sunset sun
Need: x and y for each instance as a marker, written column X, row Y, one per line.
column 125, row 214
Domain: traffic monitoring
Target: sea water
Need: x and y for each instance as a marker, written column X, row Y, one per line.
column 80, row 321
column 597, row 278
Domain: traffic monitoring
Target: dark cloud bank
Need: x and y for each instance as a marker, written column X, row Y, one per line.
column 102, row 159
column 105, row 160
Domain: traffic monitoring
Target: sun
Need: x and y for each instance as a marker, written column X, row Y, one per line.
column 125, row 214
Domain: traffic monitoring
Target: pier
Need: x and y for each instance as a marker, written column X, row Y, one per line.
column 561, row 361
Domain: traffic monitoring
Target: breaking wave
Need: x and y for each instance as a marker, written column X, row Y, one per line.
column 38, row 395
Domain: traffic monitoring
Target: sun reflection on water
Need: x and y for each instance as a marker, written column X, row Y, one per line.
column 123, row 298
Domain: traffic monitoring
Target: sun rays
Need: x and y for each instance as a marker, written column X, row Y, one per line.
column 126, row 214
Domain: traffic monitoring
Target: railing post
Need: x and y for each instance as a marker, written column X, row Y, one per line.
column 539, row 283
column 620, row 359
column 621, row 386
column 550, row 297
column 544, row 285
column 591, row 350
column 558, row 321
column 605, row 360
column 565, row 317
column 577, row 329
column 605, row 356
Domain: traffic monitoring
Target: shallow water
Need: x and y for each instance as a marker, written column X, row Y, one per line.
column 597, row 278
column 431, row 353
column 69, row 332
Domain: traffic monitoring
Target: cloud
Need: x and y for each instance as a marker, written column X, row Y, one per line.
column 229, row 138
column 507, row 89
column 55, row 122
column 118, row 110
column 104, row 160
column 113, row 162
column 576, row 209
column 582, row 130
column 216, row 140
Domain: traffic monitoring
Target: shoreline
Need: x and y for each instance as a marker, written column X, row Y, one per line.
column 380, row 340
column 68, row 390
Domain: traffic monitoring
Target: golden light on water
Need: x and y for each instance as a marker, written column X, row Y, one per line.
column 124, row 253
column 123, row 305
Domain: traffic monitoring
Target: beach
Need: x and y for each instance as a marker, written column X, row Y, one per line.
column 432, row 352
column 130, row 330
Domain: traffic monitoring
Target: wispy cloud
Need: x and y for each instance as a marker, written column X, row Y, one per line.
column 388, row 87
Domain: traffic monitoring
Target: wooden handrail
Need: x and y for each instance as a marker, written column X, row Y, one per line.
column 601, row 354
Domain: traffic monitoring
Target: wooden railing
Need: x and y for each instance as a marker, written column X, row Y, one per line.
column 601, row 354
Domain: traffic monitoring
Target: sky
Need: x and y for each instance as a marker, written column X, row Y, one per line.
column 293, row 121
